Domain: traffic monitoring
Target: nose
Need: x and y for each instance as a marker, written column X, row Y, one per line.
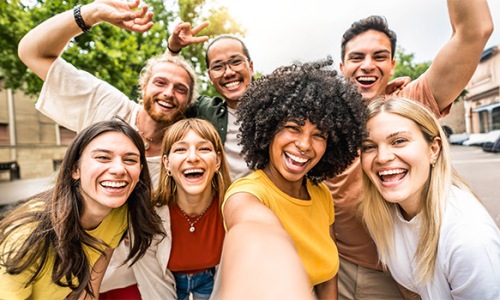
column 193, row 156
column 384, row 155
column 168, row 91
column 228, row 71
column 117, row 167
column 367, row 64
column 303, row 142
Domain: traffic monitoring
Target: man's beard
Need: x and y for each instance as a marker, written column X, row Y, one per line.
column 166, row 118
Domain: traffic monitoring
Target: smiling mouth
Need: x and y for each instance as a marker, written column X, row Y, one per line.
column 366, row 80
column 114, row 184
column 300, row 161
column 392, row 175
column 165, row 104
column 232, row 84
column 193, row 173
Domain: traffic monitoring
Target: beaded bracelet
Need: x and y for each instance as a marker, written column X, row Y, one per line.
column 79, row 20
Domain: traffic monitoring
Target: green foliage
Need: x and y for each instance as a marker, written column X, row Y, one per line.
column 110, row 53
column 405, row 66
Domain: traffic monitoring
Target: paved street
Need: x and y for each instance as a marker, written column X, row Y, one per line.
column 479, row 168
column 482, row 171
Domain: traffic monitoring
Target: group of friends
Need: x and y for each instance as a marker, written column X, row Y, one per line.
column 307, row 183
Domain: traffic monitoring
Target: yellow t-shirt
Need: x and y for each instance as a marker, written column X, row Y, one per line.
column 306, row 221
column 110, row 231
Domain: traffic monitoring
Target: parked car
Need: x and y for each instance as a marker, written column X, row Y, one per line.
column 458, row 138
column 492, row 146
column 478, row 139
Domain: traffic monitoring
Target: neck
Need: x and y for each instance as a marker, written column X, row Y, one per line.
column 194, row 205
column 151, row 133
column 296, row 189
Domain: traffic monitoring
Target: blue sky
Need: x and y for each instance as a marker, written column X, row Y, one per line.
column 281, row 31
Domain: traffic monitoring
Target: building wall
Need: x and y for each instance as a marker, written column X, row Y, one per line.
column 483, row 92
column 36, row 145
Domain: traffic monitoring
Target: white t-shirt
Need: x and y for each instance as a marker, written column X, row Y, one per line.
column 236, row 163
column 468, row 258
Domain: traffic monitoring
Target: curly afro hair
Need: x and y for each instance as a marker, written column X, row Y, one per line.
column 309, row 91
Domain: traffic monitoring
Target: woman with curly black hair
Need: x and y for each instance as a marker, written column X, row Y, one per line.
column 299, row 125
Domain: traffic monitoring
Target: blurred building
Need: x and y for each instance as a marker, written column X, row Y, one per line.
column 482, row 102
column 31, row 145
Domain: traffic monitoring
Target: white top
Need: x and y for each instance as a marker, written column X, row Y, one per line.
column 236, row 163
column 76, row 99
column 468, row 258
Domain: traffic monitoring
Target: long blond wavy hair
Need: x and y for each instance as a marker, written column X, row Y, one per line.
column 165, row 193
column 378, row 214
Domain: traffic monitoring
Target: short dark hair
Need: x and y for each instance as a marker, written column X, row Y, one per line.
column 377, row 23
column 226, row 36
column 303, row 92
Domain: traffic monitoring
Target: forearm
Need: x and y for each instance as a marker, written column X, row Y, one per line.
column 259, row 261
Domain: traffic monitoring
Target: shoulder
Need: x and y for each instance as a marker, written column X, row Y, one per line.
column 467, row 227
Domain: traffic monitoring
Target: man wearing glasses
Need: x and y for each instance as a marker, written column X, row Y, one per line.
column 230, row 70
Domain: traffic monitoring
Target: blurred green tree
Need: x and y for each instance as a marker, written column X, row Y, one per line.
column 110, row 53
column 405, row 66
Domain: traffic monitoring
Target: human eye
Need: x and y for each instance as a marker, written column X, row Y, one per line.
column 367, row 147
column 399, row 141
column 182, row 89
column 131, row 160
column 236, row 62
column 321, row 135
column 216, row 67
column 380, row 57
column 356, row 58
column 179, row 150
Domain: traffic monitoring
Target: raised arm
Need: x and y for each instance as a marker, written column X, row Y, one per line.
column 41, row 46
column 456, row 62
column 259, row 259
column 183, row 35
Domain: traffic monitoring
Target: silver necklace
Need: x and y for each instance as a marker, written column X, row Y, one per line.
column 141, row 133
column 192, row 229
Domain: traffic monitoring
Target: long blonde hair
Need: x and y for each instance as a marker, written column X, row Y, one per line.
column 165, row 193
column 378, row 214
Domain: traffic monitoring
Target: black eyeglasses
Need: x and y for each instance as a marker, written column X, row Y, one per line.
column 236, row 64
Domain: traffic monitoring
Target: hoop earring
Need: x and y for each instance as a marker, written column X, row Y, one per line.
column 169, row 173
column 214, row 181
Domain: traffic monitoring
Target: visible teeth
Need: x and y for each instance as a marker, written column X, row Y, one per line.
column 191, row 171
column 232, row 84
column 297, row 159
column 113, row 184
column 365, row 78
column 165, row 104
column 391, row 172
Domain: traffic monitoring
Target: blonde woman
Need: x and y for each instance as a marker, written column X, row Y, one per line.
column 431, row 231
column 193, row 180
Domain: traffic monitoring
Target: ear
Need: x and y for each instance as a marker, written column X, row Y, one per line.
column 393, row 65
column 341, row 67
column 250, row 64
column 76, row 172
column 435, row 148
column 166, row 163
column 218, row 160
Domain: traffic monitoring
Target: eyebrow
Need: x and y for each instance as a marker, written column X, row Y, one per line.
column 396, row 133
column 231, row 57
column 111, row 152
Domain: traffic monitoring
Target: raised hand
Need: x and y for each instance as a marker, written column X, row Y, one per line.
column 122, row 14
column 183, row 35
